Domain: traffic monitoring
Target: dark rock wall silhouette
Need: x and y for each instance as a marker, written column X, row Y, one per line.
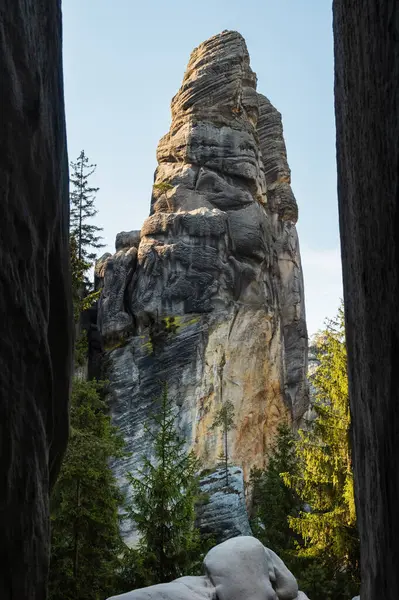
column 35, row 322
column 366, row 36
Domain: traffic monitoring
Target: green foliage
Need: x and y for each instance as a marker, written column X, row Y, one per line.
column 224, row 419
column 303, row 506
column 82, row 209
column 81, row 349
column 85, row 534
column 83, row 238
column 78, row 269
column 113, row 344
column 171, row 324
column 163, row 187
column 273, row 501
column 164, row 497
column 82, row 300
column 324, row 478
column 133, row 572
column 89, row 299
column 321, row 580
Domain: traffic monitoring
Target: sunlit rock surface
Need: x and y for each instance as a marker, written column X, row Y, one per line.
column 209, row 296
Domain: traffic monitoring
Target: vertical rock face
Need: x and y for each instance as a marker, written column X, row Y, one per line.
column 36, row 321
column 283, row 212
column 366, row 36
column 225, row 514
column 209, row 295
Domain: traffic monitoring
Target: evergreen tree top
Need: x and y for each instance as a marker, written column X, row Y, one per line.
column 165, row 490
column 82, row 208
column 224, row 417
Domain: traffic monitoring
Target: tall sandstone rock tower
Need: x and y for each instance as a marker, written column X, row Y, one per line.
column 209, row 295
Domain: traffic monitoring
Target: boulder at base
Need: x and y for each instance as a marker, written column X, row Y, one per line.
column 238, row 569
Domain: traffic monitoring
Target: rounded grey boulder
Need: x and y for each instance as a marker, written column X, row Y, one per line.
column 238, row 569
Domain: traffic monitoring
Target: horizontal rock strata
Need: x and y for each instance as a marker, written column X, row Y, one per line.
column 209, row 295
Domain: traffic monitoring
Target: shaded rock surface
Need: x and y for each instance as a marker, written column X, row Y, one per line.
column 366, row 38
column 184, row 588
column 225, row 514
column 35, row 294
column 313, row 363
column 209, row 297
column 238, row 569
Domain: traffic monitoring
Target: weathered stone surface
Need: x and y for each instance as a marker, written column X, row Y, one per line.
column 238, row 569
column 184, row 588
column 35, row 295
column 203, row 364
column 366, row 38
column 127, row 239
column 280, row 198
column 283, row 211
column 225, row 514
column 213, row 302
column 313, row 363
column 117, row 271
column 283, row 581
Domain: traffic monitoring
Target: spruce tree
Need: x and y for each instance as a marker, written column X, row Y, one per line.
column 224, row 419
column 85, row 536
column 83, row 240
column 82, row 300
column 272, row 500
column 82, row 209
column 324, row 480
column 78, row 269
column 273, row 504
column 163, row 501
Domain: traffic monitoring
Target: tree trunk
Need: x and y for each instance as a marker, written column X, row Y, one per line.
column 226, row 457
column 80, row 208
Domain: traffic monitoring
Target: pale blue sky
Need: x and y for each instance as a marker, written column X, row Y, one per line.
column 123, row 62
